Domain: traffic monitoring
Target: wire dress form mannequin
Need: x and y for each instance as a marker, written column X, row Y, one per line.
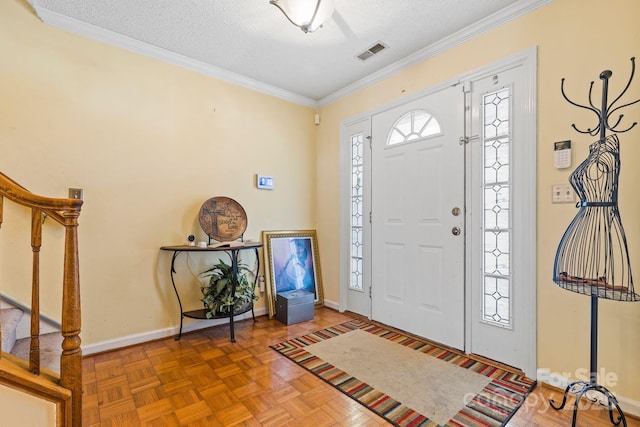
column 592, row 257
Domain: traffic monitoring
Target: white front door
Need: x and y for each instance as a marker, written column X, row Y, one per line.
column 418, row 217
column 476, row 294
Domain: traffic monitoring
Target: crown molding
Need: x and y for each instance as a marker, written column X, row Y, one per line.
column 474, row 30
column 114, row 39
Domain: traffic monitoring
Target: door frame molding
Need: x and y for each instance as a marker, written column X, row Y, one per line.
column 526, row 173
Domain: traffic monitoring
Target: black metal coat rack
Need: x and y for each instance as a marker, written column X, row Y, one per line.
column 592, row 256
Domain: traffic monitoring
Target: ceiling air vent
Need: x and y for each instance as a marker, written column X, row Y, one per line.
column 376, row 48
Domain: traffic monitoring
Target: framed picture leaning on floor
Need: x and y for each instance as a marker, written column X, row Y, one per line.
column 291, row 263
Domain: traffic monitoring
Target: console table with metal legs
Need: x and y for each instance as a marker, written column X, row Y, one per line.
column 233, row 254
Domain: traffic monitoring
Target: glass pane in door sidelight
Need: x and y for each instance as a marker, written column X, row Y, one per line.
column 357, row 207
column 497, row 184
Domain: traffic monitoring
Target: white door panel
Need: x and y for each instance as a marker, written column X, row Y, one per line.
column 417, row 263
column 430, row 261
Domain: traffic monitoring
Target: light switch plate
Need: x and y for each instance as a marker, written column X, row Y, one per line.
column 75, row 193
column 562, row 193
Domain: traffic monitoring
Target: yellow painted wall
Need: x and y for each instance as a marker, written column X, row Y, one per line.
column 149, row 143
column 576, row 39
column 22, row 409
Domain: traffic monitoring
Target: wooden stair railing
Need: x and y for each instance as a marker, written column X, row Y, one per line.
column 65, row 212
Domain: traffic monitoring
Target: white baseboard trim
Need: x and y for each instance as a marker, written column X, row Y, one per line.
column 188, row 326
column 332, row 304
column 629, row 406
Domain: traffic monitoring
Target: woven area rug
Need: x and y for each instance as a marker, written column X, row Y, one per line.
column 407, row 381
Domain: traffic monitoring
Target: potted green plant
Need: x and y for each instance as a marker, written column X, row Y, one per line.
column 217, row 297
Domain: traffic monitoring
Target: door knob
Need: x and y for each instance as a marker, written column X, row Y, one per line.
column 455, row 211
column 455, row 231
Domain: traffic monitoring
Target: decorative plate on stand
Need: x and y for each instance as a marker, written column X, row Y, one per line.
column 223, row 219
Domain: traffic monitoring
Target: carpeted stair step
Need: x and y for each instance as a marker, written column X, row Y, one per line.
column 9, row 319
column 50, row 350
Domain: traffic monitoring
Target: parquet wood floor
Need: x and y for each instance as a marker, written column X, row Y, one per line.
column 204, row 380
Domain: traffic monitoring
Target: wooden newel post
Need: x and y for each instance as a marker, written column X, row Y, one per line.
column 71, row 358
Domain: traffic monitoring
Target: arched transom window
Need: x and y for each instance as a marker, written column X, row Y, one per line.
column 413, row 125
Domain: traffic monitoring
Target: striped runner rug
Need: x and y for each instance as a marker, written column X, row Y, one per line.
column 493, row 403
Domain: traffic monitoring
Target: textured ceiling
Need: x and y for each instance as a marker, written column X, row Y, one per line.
column 251, row 41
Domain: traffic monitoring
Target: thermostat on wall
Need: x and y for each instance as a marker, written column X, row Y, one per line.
column 264, row 182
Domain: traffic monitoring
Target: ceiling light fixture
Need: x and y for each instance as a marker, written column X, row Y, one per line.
column 308, row 15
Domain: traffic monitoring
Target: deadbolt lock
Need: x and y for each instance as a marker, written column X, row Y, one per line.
column 455, row 211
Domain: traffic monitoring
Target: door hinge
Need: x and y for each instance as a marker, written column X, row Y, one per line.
column 467, row 139
column 370, row 217
column 369, row 291
column 369, row 138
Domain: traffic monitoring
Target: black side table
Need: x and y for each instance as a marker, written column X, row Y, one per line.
column 233, row 253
